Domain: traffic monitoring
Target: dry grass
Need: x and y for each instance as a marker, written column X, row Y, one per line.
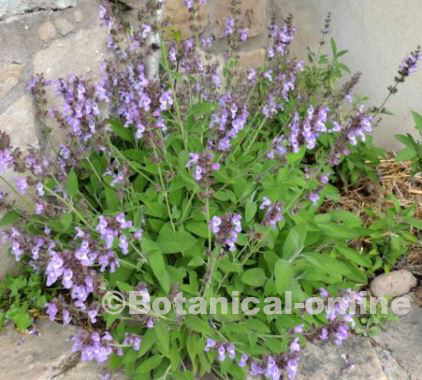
column 395, row 178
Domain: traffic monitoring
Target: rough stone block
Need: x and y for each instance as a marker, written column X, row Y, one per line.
column 393, row 284
column 253, row 14
column 18, row 122
column 10, row 75
column 79, row 53
column 11, row 8
column 47, row 31
column 45, row 356
column 254, row 58
column 64, row 26
column 179, row 18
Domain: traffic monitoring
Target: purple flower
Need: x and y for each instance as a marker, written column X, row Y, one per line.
column 243, row 34
column 314, row 197
column 251, row 75
column 133, row 341
column 138, row 234
column 92, row 314
column 273, row 213
column 54, row 269
column 221, row 353
column 6, row 160
column 294, row 345
column 67, row 278
column 22, row 185
column 39, row 208
column 243, row 360
column 278, row 149
column 66, row 317
column 292, row 368
column 51, row 311
column 409, row 64
column 211, row 343
column 226, row 229
column 124, row 244
column 272, row 371
column 324, row 179
column 188, row 4
column 229, row 29
column 324, row 334
column 166, row 101
column 231, row 350
column 203, row 167
column 93, row 346
column 341, row 334
column 256, row 369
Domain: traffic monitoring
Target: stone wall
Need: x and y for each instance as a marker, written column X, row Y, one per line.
column 60, row 37
column 57, row 37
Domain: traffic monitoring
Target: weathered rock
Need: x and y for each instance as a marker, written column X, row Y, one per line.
column 12, row 8
column 253, row 16
column 35, row 357
column 44, row 357
column 179, row 18
column 9, row 77
column 253, row 58
column 393, row 284
column 47, row 31
column 64, row 26
column 60, row 59
column 78, row 15
column 354, row 360
column 390, row 366
column 403, row 340
column 18, row 122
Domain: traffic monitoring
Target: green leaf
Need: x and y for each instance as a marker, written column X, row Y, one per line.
column 201, row 109
column 112, row 199
column 158, row 267
column 254, row 277
column 148, row 341
column 417, row 117
column 162, row 334
column 284, row 274
column 21, row 318
column 124, row 133
column 174, row 241
column 333, row 47
column 406, row 154
column 198, row 228
column 355, row 257
column 66, row 221
column 198, row 325
column 330, row 265
column 250, row 210
column 295, row 241
column 149, row 364
column 72, row 184
column 10, row 217
column 17, row 284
